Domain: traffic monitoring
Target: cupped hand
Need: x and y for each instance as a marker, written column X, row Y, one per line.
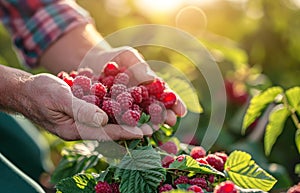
column 51, row 104
column 130, row 59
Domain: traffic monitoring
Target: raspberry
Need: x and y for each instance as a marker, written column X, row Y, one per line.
column 167, row 160
column 103, row 187
column 136, row 93
column 156, row 113
column 117, row 89
column 222, row 155
column 201, row 161
column 131, row 117
column 62, row 74
column 125, row 99
column 145, row 103
column 92, row 99
column 84, row 82
column 294, row 189
column 73, row 74
column 180, row 158
column 108, row 81
column 111, row 108
column 169, row 147
column 165, row 188
column 121, row 78
column 199, row 182
column 111, row 69
column 156, row 87
column 198, row 152
column 211, row 178
column 145, row 94
column 181, row 180
column 77, row 91
column 98, row 89
column 215, row 162
column 85, row 72
column 226, row 187
column 168, row 99
column 137, row 108
column 195, row 189
column 68, row 80
column 115, row 187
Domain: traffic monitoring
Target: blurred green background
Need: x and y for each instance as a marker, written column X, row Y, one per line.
column 255, row 43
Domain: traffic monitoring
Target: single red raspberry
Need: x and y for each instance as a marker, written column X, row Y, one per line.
column 211, row 178
column 226, row 187
column 199, row 182
column 168, row 99
column 69, row 80
column 125, row 99
column 169, row 147
column 92, row 99
column 201, row 161
column 198, row 152
column 180, row 158
column 156, row 87
column 115, row 187
column 84, row 82
column 111, row 69
column 131, row 117
column 62, row 74
column 85, row 72
column 117, row 89
column 136, row 93
column 77, row 91
column 195, row 189
column 222, row 155
column 167, row 160
column 181, row 180
column 103, row 187
column 73, row 73
column 215, row 162
column 145, row 94
column 108, row 81
column 294, row 189
column 145, row 103
column 121, row 78
column 165, row 188
column 156, row 113
column 98, row 89
column 136, row 108
column 111, row 107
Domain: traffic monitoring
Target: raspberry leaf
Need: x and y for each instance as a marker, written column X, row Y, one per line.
column 244, row 172
column 258, row 103
column 275, row 126
column 140, row 171
column 77, row 184
column 292, row 95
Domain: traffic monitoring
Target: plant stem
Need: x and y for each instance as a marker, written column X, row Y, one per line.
column 293, row 112
column 127, row 149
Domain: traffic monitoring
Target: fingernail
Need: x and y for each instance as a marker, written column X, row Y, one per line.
column 98, row 119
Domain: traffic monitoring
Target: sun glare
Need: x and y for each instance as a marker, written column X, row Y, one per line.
column 161, row 6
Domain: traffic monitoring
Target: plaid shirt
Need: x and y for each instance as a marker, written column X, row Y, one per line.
column 35, row 24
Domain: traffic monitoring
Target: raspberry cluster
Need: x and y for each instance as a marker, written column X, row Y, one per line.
column 104, row 187
column 112, row 92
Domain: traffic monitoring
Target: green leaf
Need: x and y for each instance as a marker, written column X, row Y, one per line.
column 77, row 184
column 178, row 191
column 258, row 103
column 190, row 164
column 275, row 126
column 293, row 96
column 297, row 169
column 242, row 190
column 297, row 139
column 245, row 173
column 140, row 171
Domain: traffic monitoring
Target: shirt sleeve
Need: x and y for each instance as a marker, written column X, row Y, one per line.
column 35, row 24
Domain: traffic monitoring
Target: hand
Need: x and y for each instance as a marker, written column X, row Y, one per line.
column 129, row 58
column 51, row 104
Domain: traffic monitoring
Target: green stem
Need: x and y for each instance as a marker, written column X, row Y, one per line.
column 127, row 149
column 293, row 112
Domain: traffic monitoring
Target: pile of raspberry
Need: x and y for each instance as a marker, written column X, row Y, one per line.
column 123, row 103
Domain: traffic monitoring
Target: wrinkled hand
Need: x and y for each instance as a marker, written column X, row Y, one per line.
column 51, row 104
column 129, row 58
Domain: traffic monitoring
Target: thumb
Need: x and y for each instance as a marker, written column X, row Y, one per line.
column 87, row 113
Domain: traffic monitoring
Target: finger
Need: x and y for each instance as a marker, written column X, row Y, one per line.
column 171, row 118
column 87, row 113
column 146, row 129
column 179, row 108
column 142, row 73
column 118, row 132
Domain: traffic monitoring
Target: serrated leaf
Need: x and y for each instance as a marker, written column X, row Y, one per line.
column 258, row 103
column 190, row 164
column 293, row 96
column 244, row 172
column 140, row 171
column 77, row 184
column 242, row 190
column 297, row 139
column 275, row 126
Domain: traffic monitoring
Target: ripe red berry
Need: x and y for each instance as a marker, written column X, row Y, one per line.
column 145, row 94
column 111, row 107
column 130, row 117
column 136, row 93
column 77, row 91
column 73, row 73
column 62, row 74
column 92, row 99
column 117, row 89
column 226, row 187
column 125, row 100
column 195, row 189
column 165, row 188
column 180, row 158
column 222, row 155
column 156, row 113
column 201, row 160
column 294, row 189
column 84, row 82
column 111, row 69
column 98, row 89
column 181, row 180
column 167, row 160
column 108, row 81
column 103, row 187
column 115, row 187
column 68, row 80
column 169, row 147
column 168, row 99
column 215, row 162
column 201, row 182
column 198, row 152
column 85, row 72
column 121, row 78
column 156, row 87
